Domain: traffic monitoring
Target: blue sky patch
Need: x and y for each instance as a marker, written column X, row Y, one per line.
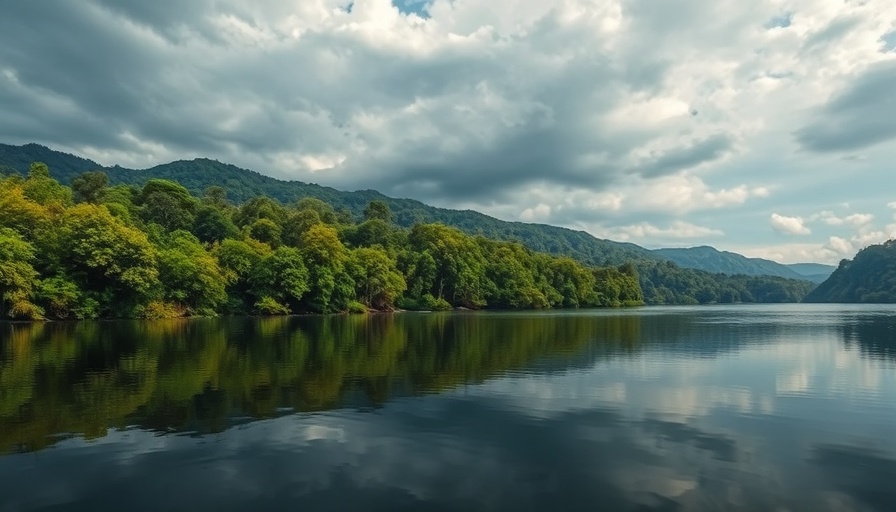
column 889, row 41
column 418, row 7
column 782, row 21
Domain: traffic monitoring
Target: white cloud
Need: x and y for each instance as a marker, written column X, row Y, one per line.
column 647, row 232
column 539, row 212
column 790, row 253
column 789, row 225
column 854, row 219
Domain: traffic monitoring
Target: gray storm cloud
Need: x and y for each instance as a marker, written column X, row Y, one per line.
column 586, row 108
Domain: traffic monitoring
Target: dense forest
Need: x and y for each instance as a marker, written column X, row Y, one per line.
column 870, row 277
column 93, row 250
column 243, row 185
column 101, row 250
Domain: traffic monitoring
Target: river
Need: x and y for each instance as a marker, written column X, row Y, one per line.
column 766, row 407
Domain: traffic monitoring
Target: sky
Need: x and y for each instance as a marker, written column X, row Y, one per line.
column 765, row 127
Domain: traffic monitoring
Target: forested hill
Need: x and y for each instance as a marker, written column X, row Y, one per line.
column 242, row 185
column 870, row 277
column 662, row 281
column 724, row 262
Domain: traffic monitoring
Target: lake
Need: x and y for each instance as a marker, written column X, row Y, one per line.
column 777, row 407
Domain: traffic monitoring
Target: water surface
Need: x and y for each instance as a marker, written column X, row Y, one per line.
column 692, row 409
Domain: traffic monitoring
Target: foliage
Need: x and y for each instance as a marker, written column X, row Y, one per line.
column 870, row 277
column 17, row 277
column 247, row 188
column 667, row 283
column 158, row 251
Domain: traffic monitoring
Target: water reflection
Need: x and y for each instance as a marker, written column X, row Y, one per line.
column 201, row 375
column 690, row 409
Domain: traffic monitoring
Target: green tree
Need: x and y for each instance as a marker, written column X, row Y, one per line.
column 167, row 204
column 267, row 231
column 378, row 210
column 237, row 258
column 190, row 276
column 105, row 256
column 89, row 187
column 280, row 278
column 43, row 189
column 325, row 212
column 296, row 224
column 378, row 283
column 331, row 288
column 216, row 197
column 213, row 225
column 259, row 208
column 19, row 212
column 460, row 266
column 17, row 277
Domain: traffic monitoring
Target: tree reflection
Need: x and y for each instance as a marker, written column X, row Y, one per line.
column 874, row 336
column 202, row 375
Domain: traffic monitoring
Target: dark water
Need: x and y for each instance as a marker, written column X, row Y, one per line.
column 778, row 408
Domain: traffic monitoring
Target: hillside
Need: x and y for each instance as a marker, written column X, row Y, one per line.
column 242, row 185
column 870, row 277
column 711, row 259
column 815, row 272
column 663, row 281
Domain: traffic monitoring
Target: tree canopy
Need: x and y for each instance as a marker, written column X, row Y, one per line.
column 157, row 251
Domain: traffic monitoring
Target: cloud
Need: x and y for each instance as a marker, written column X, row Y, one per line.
column 832, row 33
column 789, row 225
column 859, row 116
column 612, row 114
column 646, row 231
column 681, row 158
column 854, row 219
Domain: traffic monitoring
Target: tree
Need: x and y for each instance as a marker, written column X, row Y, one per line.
column 43, row 189
column 378, row 210
column 460, row 267
column 267, row 231
column 514, row 283
column 378, row 283
column 106, row 256
column 281, row 278
column 19, row 212
column 297, row 224
column 331, row 288
column 89, row 187
column 167, row 204
column 324, row 211
column 190, row 276
column 17, row 277
column 212, row 225
column 260, row 208
column 216, row 197
column 372, row 232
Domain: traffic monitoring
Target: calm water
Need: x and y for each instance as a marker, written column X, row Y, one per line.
column 714, row 408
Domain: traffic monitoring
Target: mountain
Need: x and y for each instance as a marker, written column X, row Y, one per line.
column 815, row 272
column 724, row 262
column 663, row 281
column 711, row 259
column 870, row 277
column 242, row 185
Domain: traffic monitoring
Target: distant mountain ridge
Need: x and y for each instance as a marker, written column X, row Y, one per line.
column 815, row 272
column 713, row 260
column 242, row 185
